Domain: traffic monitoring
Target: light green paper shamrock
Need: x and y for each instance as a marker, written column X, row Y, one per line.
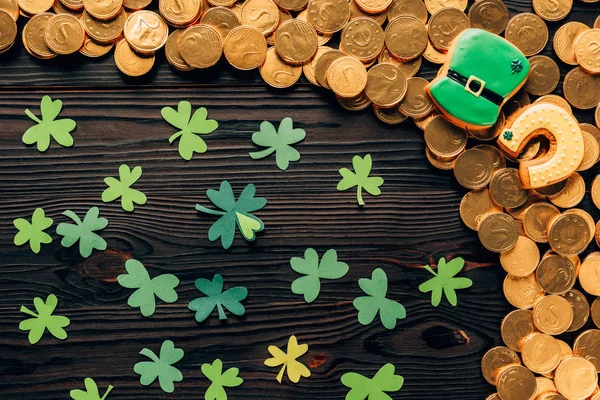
column 362, row 387
column 83, row 231
column 190, row 126
column 122, row 188
column 220, row 380
column 33, row 232
column 234, row 213
column 59, row 129
column 328, row 268
column 162, row 286
column 91, row 391
column 44, row 320
column 360, row 178
column 444, row 281
column 216, row 297
column 160, row 367
column 368, row 306
column 278, row 142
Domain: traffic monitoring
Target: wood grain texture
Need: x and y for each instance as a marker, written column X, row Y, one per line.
column 414, row 222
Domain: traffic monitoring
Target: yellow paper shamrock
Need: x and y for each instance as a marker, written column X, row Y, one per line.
column 295, row 369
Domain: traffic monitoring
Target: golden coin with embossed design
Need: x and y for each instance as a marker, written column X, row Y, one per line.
column 409, row 68
column 34, row 6
column 260, row 14
column 552, row 315
column 389, row 115
column 347, row 76
column 222, row 19
column 591, row 152
column 292, row 5
column 386, row 85
column 552, row 190
column 495, row 360
column 568, row 234
column 357, row 12
column 552, row 10
column 576, row 378
column 522, row 259
column 445, row 24
column 362, row 38
column 498, row 232
column 172, row 52
column 60, row 8
column 473, row 169
column 322, row 38
column 595, row 312
column 200, row 46
column 434, row 6
column 104, row 31
column 556, row 274
column 494, row 396
column 103, row 9
column 406, row 37
column 277, row 73
column 443, row 138
column 517, row 327
column 12, row 8
column 94, row 49
column 443, row 163
column 564, row 41
column 423, row 122
column 74, row 5
column 589, row 274
column 572, row 194
column 310, row 69
column 506, row 188
column 296, row 41
column 64, row 34
column 180, row 13
column 495, row 155
column 592, row 130
column 373, row 6
column 587, row 345
column 323, row 64
column 536, row 220
column 581, row 309
column 433, row 55
column 146, row 31
column 581, row 89
column 586, row 50
column 528, row 32
column 245, row 47
column 522, row 292
column 33, row 35
column 129, row 62
column 543, row 76
column 135, row 5
column 556, row 100
column 545, row 387
column 328, row 16
column 491, row 15
column 541, row 352
column 516, row 102
column 416, row 103
column 587, row 217
column 518, row 212
column 516, row 383
column 474, row 207
column 415, row 8
column 356, row 103
column 490, row 133
column 595, row 191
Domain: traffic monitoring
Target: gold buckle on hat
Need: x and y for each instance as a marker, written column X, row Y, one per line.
column 481, row 82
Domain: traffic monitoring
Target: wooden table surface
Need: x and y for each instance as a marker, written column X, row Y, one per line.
column 414, row 222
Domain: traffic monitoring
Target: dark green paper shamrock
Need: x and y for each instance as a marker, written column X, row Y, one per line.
column 362, row 387
column 160, row 367
column 444, row 281
column 369, row 306
column 328, row 268
column 278, row 142
column 44, row 320
column 49, row 126
column 220, row 380
column 83, row 231
column 217, row 298
column 91, row 391
column 360, row 178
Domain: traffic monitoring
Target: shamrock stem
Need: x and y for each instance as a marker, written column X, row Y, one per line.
column 73, row 216
column 221, row 311
column 280, row 375
column 208, row 210
column 110, row 387
column 150, row 354
column 33, row 117
column 262, row 153
column 175, row 136
column 359, row 196
column 29, row 312
column 428, row 268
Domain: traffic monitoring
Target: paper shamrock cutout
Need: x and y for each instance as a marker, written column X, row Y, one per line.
column 362, row 387
column 122, row 188
column 220, row 380
column 328, row 268
column 368, row 306
column 234, row 212
column 83, row 231
column 44, row 320
column 189, row 127
column 295, row 369
column 162, row 286
column 278, row 142
column 59, row 129
column 445, row 281
column 360, row 178
column 216, row 297
column 91, row 391
column 33, row 232
column 160, row 366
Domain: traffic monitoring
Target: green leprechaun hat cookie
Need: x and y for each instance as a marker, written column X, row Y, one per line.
column 482, row 71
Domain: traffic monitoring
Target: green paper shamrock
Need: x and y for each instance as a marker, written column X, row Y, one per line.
column 234, row 212
column 59, row 129
column 122, row 188
column 445, row 281
column 189, row 126
column 368, row 306
column 362, row 387
column 216, row 297
column 83, row 231
column 328, row 268
column 278, row 142
column 91, row 391
column 161, row 367
column 220, row 380
column 44, row 320
column 360, row 178
column 162, row 286
column 33, row 232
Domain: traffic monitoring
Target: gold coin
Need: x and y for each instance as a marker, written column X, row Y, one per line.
column 595, row 311
column 522, row 292
column 498, row 232
column 597, row 115
column 564, row 41
column 495, row 360
column 552, row 11
column 357, row 12
column 475, row 206
column 200, row 46
column 473, row 169
column 145, row 31
column 568, row 234
column 589, row 275
column 34, row 6
column 406, row 37
column 587, row 217
column 245, row 47
column 296, row 41
column 433, row 55
column 60, row 8
column 592, row 130
column 495, row 155
column 572, row 194
column 64, row 34
column 516, row 383
column 581, row 89
column 443, row 163
column 552, row 190
column 443, row 138
column 423, row 122
column 310, row 69
column 545, row 387
column 104, row 31
column 386, row 85
column 284, row 15
column 135, row 5
column 11, row 7
column 33, row 35
column 328, row 16
column 260, row 14
column 373, row 6
column 446, row 24
column 416, row 103
column 595, row 192
column 389, row 115
column 492, row 132
column 543, row 76
column 516, row 102
column 506, row 188
column 408, row 68
column 556, row 275
column 347, row 76
column 434, row 6
column 581, row 309
column 536, row 220
column 528, row 32
column 552, row 315
column 323, row 64
column 292, row 5
column 585, row 50
column 415, row 8
column 518, row 213
column 129, row 62
column 322, row 38
column 494, row 396
column 103, row 9
column 491, row 15
column 356, row 103
column 516, row 327
column 362, row 38
column 75, row 5
column 221, row 3
column 541, row 352
column 587, row 345
column 180, row 13
column 576, row 378
column 172, row 52
column 277, row 73
column 591, row 152
column 222, row 19
column 94, row 49
column 522, row 259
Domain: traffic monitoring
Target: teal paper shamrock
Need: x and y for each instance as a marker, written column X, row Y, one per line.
column 362, row 387
column 328, row 268
column 44, row 320
column 360, row 178
column 278, row 142
column 161, row 367
column 216, row 297
column 83, row 231
column 368, row 306
column 33, row 232
column 91, row 391
column 59, row 129
column 162, row 286
column 190, row 126
column 220, row 380
column 234, row 212
column 444, row 281
column 122, row 188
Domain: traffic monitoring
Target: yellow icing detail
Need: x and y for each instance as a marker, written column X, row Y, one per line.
column 473, row 78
